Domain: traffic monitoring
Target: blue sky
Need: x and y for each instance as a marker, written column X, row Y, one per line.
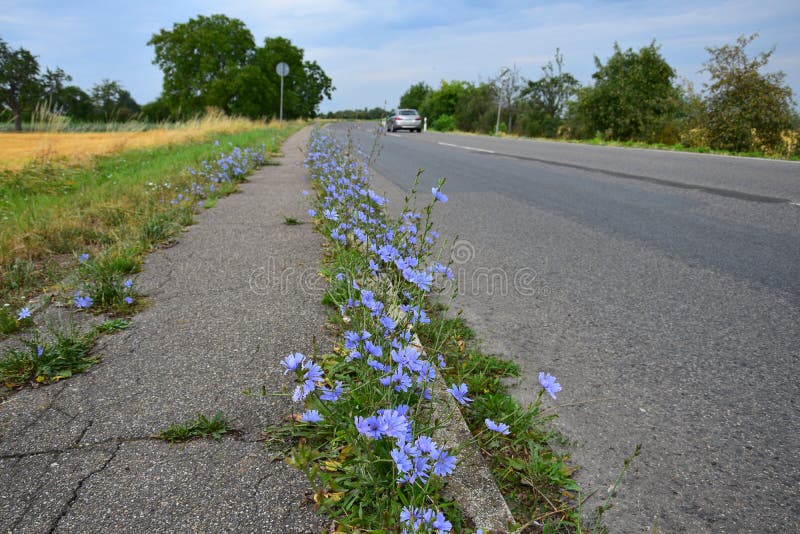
column 374, row 50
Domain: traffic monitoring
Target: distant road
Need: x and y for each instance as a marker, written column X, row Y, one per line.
column 661, row 288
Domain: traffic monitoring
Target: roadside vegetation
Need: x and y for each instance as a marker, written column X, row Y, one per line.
column 634, row 100
column 368, row 429
column 76, row 235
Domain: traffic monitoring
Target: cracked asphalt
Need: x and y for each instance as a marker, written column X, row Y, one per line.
column 235, row 295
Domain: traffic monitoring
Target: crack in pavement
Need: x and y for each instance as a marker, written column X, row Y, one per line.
column 84, row 431
column 234, row 434
column 77, row 447
column 68, row 506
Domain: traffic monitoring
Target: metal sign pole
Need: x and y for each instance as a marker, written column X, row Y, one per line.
column 280, row 121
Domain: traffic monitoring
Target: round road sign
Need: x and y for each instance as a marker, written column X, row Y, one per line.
column 282, row 69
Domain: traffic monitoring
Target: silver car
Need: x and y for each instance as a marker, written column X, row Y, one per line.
column 404, row 119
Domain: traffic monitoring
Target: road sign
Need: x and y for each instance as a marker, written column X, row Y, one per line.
column 282, row 69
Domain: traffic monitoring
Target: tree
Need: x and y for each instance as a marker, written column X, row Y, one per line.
column 75, row 103
column 213, row 61
column 477, row 110
column 445, row 100
column 415, row 95
column 63, row 99
column 53, row 82
column 747, row 110
column 548, row 97
column 633, row 95
column 200, row 59
column 19, row 81
column 304, row 87
column 507, row 87
column 112, row 102
column 315, row 86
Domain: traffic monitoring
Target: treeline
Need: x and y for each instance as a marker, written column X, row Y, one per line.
column 208, row 62
column 25, row 92
column 634, row 97
column 358, row 114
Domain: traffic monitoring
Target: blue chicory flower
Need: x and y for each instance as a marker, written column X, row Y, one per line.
column 292, row 361
column 82, row 302
column 331, row 394
column 460, row 393
column 438, row 195
column 501, row 428
column 443, row 463
column 548, row 382
column 311, row 416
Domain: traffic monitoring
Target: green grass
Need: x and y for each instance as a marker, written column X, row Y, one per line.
column 200, row 427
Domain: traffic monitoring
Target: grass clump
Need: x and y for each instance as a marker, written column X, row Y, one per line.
column 106, row 280
column 45, row 362
column 200, row 427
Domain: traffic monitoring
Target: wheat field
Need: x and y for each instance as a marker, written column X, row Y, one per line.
column 19, row 149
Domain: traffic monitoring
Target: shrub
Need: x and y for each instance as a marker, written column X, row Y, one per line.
column 445, row 123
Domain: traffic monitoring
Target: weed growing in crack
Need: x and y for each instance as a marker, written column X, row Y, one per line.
column 45, row 362
column 200, row 427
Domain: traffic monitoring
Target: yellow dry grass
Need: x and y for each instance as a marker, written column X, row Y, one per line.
column 18, row 149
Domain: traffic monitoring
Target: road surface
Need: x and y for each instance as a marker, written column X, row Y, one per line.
column 661, row 288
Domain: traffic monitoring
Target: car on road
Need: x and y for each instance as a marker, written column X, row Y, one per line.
column 404, row 119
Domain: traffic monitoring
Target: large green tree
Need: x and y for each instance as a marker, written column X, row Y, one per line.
column 304, row 88
column 633, row 96
column 201, row 59
column 213, row 61
column 20, row 85
column 746, row 109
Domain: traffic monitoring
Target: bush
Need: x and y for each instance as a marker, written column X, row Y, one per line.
column 445, row 123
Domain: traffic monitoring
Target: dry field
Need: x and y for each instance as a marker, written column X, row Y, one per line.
column 18, row 149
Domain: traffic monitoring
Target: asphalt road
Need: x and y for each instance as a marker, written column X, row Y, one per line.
column 662, row 289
